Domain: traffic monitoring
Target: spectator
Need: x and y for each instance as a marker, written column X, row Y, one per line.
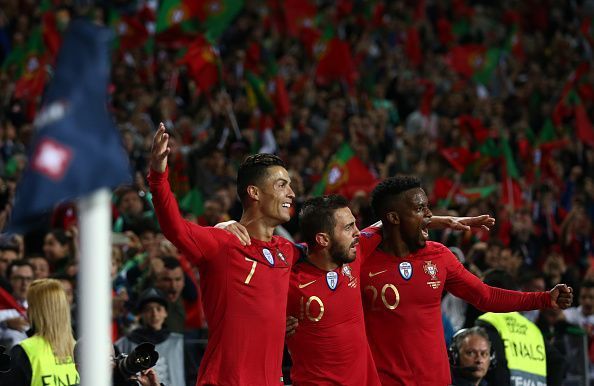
column 58, row 248
column 152, row 308
column 14, row 324
column 171, row 281
column 41, row 268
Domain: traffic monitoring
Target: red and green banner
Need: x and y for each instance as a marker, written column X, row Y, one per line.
column 336, row 63
column 345, row 174
column 258, row 95
column 130, row 31
column 32, row 80
column 201, row 60
column 217, row 15
column 467, row 59
column 459, row 157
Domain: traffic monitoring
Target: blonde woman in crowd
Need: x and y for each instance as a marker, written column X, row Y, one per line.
column 46, row 358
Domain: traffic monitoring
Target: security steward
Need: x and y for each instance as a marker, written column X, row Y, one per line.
column 523, row 355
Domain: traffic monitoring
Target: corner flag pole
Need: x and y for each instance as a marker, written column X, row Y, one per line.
column 95, row 292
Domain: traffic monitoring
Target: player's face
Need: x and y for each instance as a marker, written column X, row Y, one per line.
column 475, row 354
column 344, row 238
column 414, row 218
column 276, row 195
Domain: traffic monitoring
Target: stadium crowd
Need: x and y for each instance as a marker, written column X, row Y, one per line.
column 490, row 104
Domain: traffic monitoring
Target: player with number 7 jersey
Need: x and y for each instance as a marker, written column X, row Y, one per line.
column 244, row 288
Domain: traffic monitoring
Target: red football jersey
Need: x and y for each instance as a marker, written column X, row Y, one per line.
column 329, row 346
column 401, row 300
column 244, row 292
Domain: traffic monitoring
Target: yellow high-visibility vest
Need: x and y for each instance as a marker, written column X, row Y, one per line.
column 46, row 369
column 524, row 347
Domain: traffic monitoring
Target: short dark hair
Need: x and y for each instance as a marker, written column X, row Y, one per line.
column 499, row 278
column 317, row 215
column 170, row 262
column 382, row 196
column 253, row 169
column 18, row 263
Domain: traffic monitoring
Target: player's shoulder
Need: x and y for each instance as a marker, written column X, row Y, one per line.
column 434, row 248
column 369, row 240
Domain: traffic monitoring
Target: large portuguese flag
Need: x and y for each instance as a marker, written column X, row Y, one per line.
column 345, row 174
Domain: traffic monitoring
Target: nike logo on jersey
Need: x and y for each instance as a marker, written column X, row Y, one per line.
column 306, row 284
column 372, row 274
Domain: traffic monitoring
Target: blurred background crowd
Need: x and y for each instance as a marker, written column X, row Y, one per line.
column 489, row 103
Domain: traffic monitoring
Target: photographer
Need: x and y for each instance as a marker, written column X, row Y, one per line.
column 152, row 309
column 126, row 369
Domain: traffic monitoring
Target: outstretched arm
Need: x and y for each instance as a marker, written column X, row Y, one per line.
column 484, row 222
column 463, row 284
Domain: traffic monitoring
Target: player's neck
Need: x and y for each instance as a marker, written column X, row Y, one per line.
column 322, row 260
column 258, row 227
column 394, row 245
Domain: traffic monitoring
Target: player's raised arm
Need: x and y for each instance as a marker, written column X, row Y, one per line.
column 187, row 236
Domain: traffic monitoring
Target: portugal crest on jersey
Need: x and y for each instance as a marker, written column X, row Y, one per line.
column 406, row 270
column 268, row 255
column 431, row 270
column 332, row 280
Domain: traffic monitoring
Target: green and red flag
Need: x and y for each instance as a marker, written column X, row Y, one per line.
column 459, row 157
column 466, row 59
column 336, row 63
column 202, row 60
column 177, row 22
column 510, row 188
column 583, row 125
column 33, row 77
column 258, row 95
column 477, row 193
column 299, row 15
column 217, row 15
column 130, row 31
column 345, row 174
column 475, row 127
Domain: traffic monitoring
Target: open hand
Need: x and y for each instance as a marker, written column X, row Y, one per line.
column 160, row 150
column 484, row 222
column 236, row 229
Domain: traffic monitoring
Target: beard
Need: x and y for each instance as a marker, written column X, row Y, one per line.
column 340, row 254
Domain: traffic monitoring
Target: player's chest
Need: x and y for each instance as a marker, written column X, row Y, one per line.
column 326, row 299
column 263, row 270
column 390, row 284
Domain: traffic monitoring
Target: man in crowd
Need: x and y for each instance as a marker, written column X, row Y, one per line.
column 170, row 280
column 470, row 357
column 403, row 279
column 13, row 322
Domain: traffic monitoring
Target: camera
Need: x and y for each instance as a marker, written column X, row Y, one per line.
column 141, row 358
column 4, row 360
